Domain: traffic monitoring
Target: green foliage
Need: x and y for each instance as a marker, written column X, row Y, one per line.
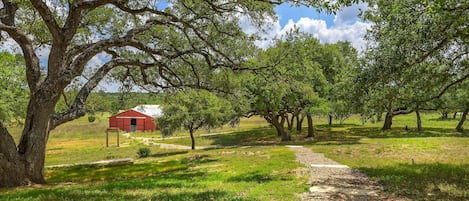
column 13, row 88
column 418, row 52
column 194, row 109
column 91, row 118
column 143, row 152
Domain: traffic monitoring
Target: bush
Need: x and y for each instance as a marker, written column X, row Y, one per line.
column 143, row 152
column 91, row 118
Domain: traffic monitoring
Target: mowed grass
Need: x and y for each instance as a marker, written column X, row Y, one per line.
column 224, row 174
column 440, row 167
column 440, row 170
column 441, row 160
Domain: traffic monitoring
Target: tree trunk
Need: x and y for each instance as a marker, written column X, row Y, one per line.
column 299, row 122
column 25, row 164
column 282, row 122
column 454, row 115
column 388, row 121
column 12, row 168
column 419, row 120
column 444, row 115
column 279, row 127
column 330, row 120
column 459, row 127
column 310, row 126
column 290, row 121
column 191, row 132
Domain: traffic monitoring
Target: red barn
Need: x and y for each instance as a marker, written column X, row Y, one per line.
column 140, row 118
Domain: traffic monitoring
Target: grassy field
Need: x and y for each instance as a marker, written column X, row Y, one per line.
column 440, row 170
column 226, row 174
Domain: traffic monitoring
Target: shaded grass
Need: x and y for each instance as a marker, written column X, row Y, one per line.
column 440, row 172
column 228, row 174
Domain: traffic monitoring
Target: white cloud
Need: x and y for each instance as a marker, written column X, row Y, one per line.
column 349, row 15
column 347, row 27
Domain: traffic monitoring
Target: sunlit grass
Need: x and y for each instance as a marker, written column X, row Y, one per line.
column 440, row 169
column 226, row 174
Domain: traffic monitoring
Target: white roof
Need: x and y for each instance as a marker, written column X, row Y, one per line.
column 154, row 111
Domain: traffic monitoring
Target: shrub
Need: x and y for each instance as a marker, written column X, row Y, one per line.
column 91, row 118
column 143, row 152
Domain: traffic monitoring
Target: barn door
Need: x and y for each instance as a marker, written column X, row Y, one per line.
column 133, row 125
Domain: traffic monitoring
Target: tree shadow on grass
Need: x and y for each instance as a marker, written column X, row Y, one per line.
column 91, row 173
column 255, row 176
column 165, row 154
column 424, row 181
column 99, row 193
column 402, row 133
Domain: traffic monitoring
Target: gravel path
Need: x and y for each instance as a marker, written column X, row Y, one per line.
column 331, row 180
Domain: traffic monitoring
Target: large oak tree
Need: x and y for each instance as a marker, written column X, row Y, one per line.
column 184, row 43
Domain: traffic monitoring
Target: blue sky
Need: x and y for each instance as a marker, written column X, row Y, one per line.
column 287, row 12
column 345, row 25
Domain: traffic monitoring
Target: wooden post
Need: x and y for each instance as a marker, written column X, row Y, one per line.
column 116, row 130
column 107, row 137
column 117, row 137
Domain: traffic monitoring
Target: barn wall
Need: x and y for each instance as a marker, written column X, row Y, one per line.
column 150, row 124
column 122, row 121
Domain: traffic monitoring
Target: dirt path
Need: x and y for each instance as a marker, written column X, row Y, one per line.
column 151, row 141
column 331, row 180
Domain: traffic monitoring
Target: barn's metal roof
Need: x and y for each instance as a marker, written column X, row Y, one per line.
column 154, row 111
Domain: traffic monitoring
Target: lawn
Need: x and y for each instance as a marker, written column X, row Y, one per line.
column 224, row 174
column 439, row 171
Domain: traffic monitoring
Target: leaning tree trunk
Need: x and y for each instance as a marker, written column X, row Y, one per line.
column 459, row 127
column 12, row 168
column 419, row 120
column 310, row 126
column 25, row 164
column 455, row 114
column 191, row 132
column 279, row 127
column 387, row 121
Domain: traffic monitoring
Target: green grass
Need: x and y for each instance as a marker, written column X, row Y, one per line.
column 440, row 172
column 226, row 174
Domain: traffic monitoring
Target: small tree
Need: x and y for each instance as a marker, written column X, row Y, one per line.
column 194, row 109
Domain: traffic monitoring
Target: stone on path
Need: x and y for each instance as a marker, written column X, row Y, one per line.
column 350, row 191
column 331, row 180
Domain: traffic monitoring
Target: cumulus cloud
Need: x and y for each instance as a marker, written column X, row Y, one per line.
column 347, row 27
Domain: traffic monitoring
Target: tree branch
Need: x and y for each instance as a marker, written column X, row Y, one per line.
column 77, row 109
column 33, row 73
column 48, row 18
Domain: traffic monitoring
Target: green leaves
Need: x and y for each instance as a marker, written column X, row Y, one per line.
column 13, row 88
column 194, row 109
